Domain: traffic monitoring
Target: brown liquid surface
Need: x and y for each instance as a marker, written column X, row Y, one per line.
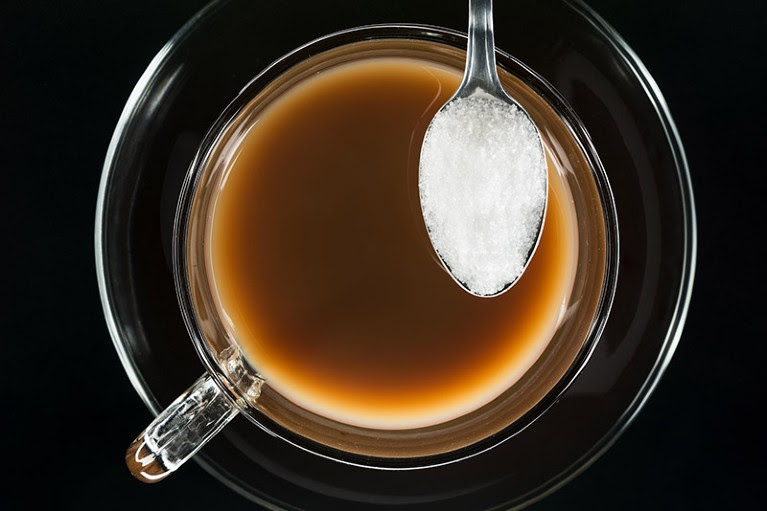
column 323, row 269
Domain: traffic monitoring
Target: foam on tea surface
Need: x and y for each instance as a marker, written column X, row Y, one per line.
column 324, row 271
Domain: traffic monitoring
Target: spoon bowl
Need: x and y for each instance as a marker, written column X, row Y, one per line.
column 486, row 249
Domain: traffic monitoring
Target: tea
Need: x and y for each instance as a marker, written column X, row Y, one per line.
column 323, row 271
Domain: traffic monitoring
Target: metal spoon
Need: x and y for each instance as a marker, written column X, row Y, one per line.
column 481, row 80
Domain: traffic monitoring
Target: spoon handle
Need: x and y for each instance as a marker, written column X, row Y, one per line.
column 480, row 59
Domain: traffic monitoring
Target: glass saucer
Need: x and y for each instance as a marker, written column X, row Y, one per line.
column 204, row 66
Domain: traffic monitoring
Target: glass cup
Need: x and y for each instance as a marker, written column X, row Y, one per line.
column 232, row 386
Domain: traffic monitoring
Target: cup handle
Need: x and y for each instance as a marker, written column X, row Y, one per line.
column 180, row 431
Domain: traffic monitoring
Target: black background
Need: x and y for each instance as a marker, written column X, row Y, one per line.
column 68, row 410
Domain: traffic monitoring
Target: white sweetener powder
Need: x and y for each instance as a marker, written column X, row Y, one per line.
column 483, row 190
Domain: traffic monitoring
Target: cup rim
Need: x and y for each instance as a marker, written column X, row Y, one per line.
column 428, row 33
